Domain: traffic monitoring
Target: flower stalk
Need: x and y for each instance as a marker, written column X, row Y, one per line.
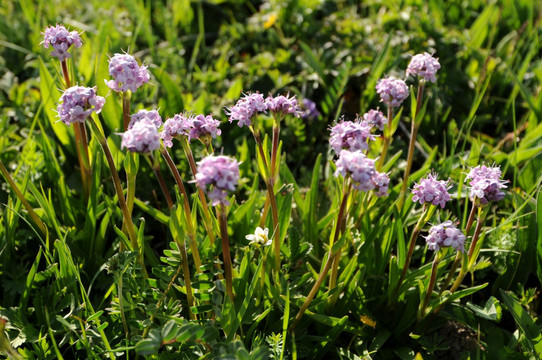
column 223, row 222
column 432, row 281
column 341, row 216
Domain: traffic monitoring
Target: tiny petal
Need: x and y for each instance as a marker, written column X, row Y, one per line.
column 247, row 107
column 204, row 127
column 375, row 118
column 349, row 135
column 360, row 168
column 61, row 40
column 179, row 125
column 445, row 235
column 126, row 73
column 431, row 190
column 283, row 105
column 423, row 65
column 392, row 91
column 486, row 184
column 142, row 137
column 220, row 172
column 149, row 115
column 78, row 103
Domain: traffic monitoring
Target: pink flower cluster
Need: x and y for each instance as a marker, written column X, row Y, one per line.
column 61, row 40
column 148, row 115
column 77, row 103
column 194, row 127
column 392, row 91
column 423, row 65
column 204, row 128
column 375, row 118
column 433, row 191
column 444, row 235
column 486, row 184
column 126, row 73
column 349, row 135
column 220, row 172
column 253, row 103
column 142, row 137
column 362, row 171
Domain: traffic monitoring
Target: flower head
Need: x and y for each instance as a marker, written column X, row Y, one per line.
column 179, row 125
column 423, row 65
column 444, row 235
column 392, row 91
column 142, row 137
column 150, row 115
column 431, row 190
column 204, row 128
column 360, row 168
column 126, row 73
column 61, row 40
column 260, row 237
column 77, row 103
column 310, row 111
column 349, row 135
column 283, row 105
column 222, row 173
column 375, row 118
column 246, row 108
column 381, row 183
column 486, row 184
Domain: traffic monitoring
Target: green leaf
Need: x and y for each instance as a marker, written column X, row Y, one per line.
column 492, row 310
column 524, row 321
column 50, row 96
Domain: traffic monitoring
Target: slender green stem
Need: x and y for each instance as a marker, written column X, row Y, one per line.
column 337, row 258
column 207, row 223
column 222, row 220
column 5, row 345
column 126, row 96
column 118, row 189
column 272, row 200
column 35, row 218
column 81, row 142
column 465, row 269
column 155, row 165
column 411, row 145
column 432, row 281
column 457, row 260
column 186, row 207
column 386, row 138
column 330, row 255
column 274, row 152
column 412, row 244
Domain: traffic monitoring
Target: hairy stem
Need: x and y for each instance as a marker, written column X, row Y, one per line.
column 386, row 138
column 411, row 147
column 222, row 220
column 342, row 214
column 155, row 165
column 432, row 281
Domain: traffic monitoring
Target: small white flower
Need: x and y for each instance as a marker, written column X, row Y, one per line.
column 259, row 237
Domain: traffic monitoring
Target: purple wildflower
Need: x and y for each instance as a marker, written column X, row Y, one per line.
column 381, row 183
column 142, row 137
column 349, row 135
column 61, row 40
column 222, row 173
column 310, row 110
column 444, row 235
column 423, row 65
column 283, row 105
column 149, row 115
column 360, row 168
column 431, row 190
column 486, row 184
column 246, row 108
column 204, row 128
column 179, row 125
column 392, row 91
column 77, row 103
column 375, row 118
column 126, row 73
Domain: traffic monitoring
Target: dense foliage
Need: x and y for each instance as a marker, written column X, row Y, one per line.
column 79, row 280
